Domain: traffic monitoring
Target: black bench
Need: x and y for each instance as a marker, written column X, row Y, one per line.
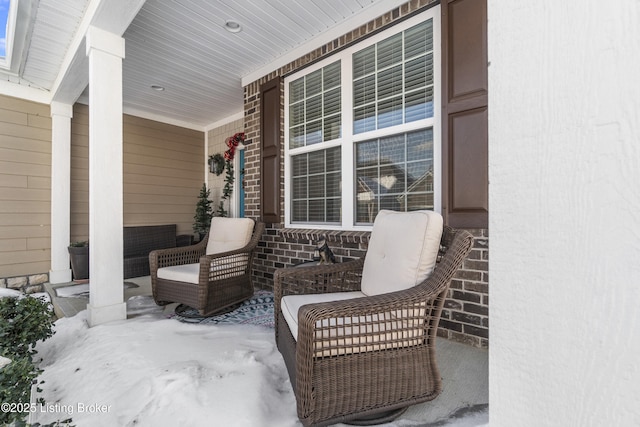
column 142, row 239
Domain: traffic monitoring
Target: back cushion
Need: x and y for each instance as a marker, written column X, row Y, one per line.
column 227, row 234
column 403, row 249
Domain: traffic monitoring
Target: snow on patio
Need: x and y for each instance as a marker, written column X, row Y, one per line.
column 154, row 371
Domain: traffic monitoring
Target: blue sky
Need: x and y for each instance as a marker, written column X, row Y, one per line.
column 4, row 11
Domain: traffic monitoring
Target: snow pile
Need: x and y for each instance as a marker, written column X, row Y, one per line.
column 155, row 371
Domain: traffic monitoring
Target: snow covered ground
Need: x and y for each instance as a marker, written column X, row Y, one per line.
column 154, row 371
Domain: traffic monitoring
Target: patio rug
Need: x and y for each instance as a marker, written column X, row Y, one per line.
column 258, row 310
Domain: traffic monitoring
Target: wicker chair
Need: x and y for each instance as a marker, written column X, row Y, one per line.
column 357, row 357
column 212, row 275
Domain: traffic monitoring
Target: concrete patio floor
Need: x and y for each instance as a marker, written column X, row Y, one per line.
column 464, row 369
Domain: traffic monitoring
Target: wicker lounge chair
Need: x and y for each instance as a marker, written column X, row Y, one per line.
column 212, row 275
column 353, row 356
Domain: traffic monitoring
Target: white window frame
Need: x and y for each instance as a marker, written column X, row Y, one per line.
column 5, row 63
column 348, row 140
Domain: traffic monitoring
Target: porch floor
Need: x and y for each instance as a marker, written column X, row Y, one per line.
column 464, row 370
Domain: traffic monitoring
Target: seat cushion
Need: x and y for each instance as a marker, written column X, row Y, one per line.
column 180, row 273
column 355, row 334
column 290, row 305
column 402, row 252
column 227, row 234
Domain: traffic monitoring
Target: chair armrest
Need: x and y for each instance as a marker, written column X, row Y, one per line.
column 340, row 277
column 345, row 276
column 176, row 256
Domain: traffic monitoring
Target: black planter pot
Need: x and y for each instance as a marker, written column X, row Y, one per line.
column 79, row 256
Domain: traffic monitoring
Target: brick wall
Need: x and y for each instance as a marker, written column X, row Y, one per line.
column 465, row 317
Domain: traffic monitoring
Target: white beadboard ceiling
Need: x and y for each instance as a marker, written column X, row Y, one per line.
column 182, row 46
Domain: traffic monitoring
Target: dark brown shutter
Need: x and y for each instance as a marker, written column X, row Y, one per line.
column 270, row 107
column 464, row 120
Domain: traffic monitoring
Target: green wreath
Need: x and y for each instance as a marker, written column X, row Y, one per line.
column 216, row 164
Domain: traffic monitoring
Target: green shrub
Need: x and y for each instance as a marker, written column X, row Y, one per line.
column 23, row 322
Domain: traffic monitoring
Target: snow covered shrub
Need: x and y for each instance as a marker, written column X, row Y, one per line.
column 23, row 322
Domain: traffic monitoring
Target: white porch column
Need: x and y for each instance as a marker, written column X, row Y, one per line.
column 60, row 191
column 105, row 51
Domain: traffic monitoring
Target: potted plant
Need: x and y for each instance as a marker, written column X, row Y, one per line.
column 79, row 255
column 203, row 212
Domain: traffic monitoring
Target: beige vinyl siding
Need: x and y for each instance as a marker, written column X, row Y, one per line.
column 25, row 187
column 163, row 170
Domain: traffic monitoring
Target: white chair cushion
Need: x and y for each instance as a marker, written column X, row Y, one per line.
column 290, row 305
column 402, row 252
column 355, row 334
column 181, row 273
column 227, row 234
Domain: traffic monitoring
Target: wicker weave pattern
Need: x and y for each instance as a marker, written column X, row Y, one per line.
column 224, row 279
column 340, row 375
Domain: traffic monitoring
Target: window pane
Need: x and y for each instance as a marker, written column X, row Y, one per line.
column 420, row 176
column 390, row 170
column 333, row 160
column 331, row 76
column 367, row 153
column 314, row 132
column 332, row 128
column 333, row 185
column 296, row 114
column 314, row 108
column 415, row 73
column 392, row 149
column 333, row 210
column 390, row 82
column 300, row 188
column 316, row 186
column 391, row 203
column 420, row 144
column 296, row 137
column 313, row 83
column 332, row 102
column 364, row 119
column 299, row 211
column 390, row 112
column 316, row 182
column 316, row 210
column 364, row 62
column 364, row 91
column 418, row 39
column 367, row 183
column 417, row 106
column 296, row 91
column 316, row 162
column 299, row 165
column 389, row 51
column 417, row 202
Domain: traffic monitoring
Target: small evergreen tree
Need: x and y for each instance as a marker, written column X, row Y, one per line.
column 203, row 212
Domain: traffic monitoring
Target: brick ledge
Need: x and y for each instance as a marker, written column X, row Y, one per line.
column 313, row 235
